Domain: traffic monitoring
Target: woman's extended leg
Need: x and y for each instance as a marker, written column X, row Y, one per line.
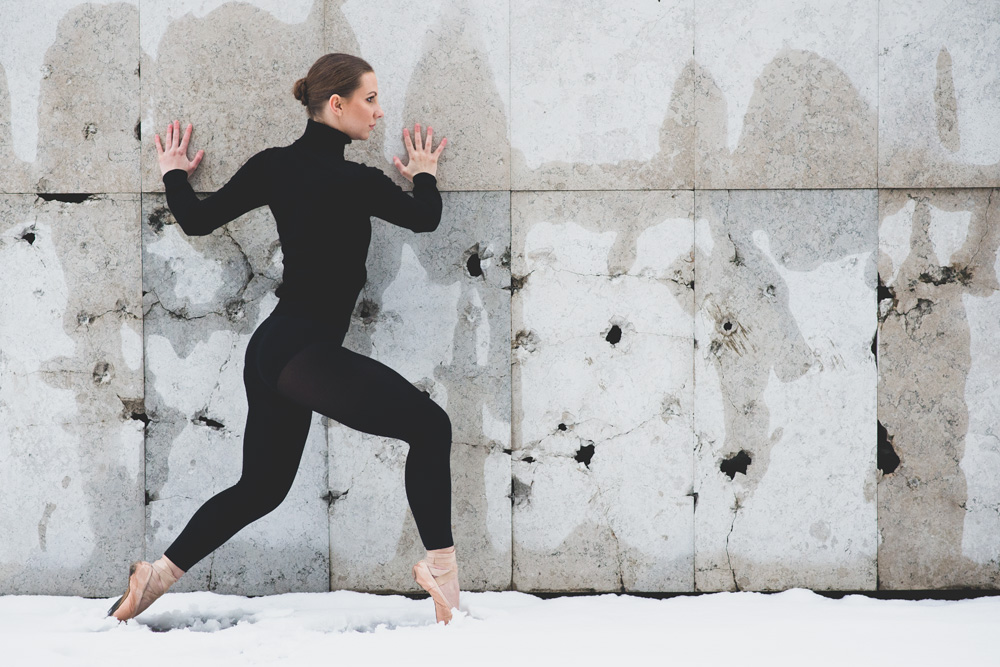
column 367, row 395
column 273, row 441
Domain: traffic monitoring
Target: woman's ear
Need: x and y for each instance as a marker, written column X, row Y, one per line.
column 335, row 105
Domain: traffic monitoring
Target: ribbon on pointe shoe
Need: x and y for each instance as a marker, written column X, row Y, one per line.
column 430, row 575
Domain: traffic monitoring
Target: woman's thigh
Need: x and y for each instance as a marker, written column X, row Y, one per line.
column 357, row 391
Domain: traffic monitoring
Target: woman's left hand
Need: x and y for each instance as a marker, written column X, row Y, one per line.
column 174, row 156
column 421, row 156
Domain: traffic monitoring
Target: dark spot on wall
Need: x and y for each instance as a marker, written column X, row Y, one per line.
column 508, row 451
column 737, row 258
column 886, row 457
column 875, row 347
column 103, row 372
column 715, row 347
column 368, row 310
column 562, row 427
column 137, row 131
column 947, row 274
column 584, row 454
column 694, row 495
column 201, row 418
column 727, row 325
column 519, row 490
column 615, row 335
column 505, row 258
column 331, row 497
column 235, row 310
column 66, row 197
column 473, row 265
column 150, row 497
column 528, row 340
column 528, row 459
column 89, row 130
column 517, row 282
column 134, row 408
column 28, row 236
column 769, row 291
column 159, row 217
column 736, row 464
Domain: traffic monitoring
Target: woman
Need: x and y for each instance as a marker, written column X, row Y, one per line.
column 295, row 363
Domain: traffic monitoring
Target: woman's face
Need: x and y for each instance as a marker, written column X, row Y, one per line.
column 360, row 112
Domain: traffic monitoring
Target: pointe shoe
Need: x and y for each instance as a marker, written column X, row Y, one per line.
column 146, row 583
column 438, row 575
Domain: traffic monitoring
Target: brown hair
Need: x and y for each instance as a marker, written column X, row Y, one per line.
column 333, row 74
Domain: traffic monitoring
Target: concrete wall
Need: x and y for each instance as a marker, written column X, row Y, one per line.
column 713, row 304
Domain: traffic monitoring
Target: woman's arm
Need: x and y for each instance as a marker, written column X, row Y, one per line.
column 245, row 191
column 422, row 211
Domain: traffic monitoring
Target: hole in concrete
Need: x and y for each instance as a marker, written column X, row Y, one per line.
column 138, row 130
column 584, row 454
column 473, row 265
column 29, row 237
column 875, row 346
column 769, row 290
column 736, row 464
column 517, row 282
column 528, row 459
column 615, row 335
column 727, row 326
column 886, row 457
column 330, row 497
column 66, row 197
column 103, row 372
column 150, row 497
column 89, row 130
column 562, row 427
column 208, row 421
column 367, row 310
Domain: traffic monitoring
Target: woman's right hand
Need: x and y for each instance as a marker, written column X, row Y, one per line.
column 175, row 154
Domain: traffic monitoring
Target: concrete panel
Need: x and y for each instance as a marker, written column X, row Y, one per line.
column 204, row 297
column 938, row 92
column 785, row 388
column 786, row 93
column 436, row 309
column 72, row 94
column 602, row 391
column 237, row 91
column 939, row 497
column 610, row 104
column 71, row 395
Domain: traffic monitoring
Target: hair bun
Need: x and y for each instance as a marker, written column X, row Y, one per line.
column 301, row 92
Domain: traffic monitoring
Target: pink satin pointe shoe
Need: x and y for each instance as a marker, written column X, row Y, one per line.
column 438, row 575
column 146, row 583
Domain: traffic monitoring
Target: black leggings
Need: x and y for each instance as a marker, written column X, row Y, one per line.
column 295, row 366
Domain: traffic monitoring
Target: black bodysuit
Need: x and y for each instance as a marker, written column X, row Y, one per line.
column 295, row 363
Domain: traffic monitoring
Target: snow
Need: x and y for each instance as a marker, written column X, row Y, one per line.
column 794, row 627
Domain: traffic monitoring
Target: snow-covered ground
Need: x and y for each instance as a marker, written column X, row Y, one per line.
column 795, row 627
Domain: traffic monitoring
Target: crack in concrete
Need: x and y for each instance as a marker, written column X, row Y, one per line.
column 729, row 557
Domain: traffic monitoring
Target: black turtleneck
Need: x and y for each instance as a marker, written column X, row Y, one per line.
column 322, row 205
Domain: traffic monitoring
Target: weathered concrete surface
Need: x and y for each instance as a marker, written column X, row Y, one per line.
column 423, row 83
column 938, row 91
column 237, row 91
column 603, row 389
column 436, row 309
column 939, row 499
column 785, row 388
column 71, row 393
column 71, row 89
column 204, row 296
column 786, row 94
column 602, row 108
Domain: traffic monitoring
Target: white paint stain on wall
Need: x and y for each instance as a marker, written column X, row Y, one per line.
column 947, row 232
column 894, row 238
column 981, row 460
column 198, row 278
column 419, row 324
column 51, row 527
